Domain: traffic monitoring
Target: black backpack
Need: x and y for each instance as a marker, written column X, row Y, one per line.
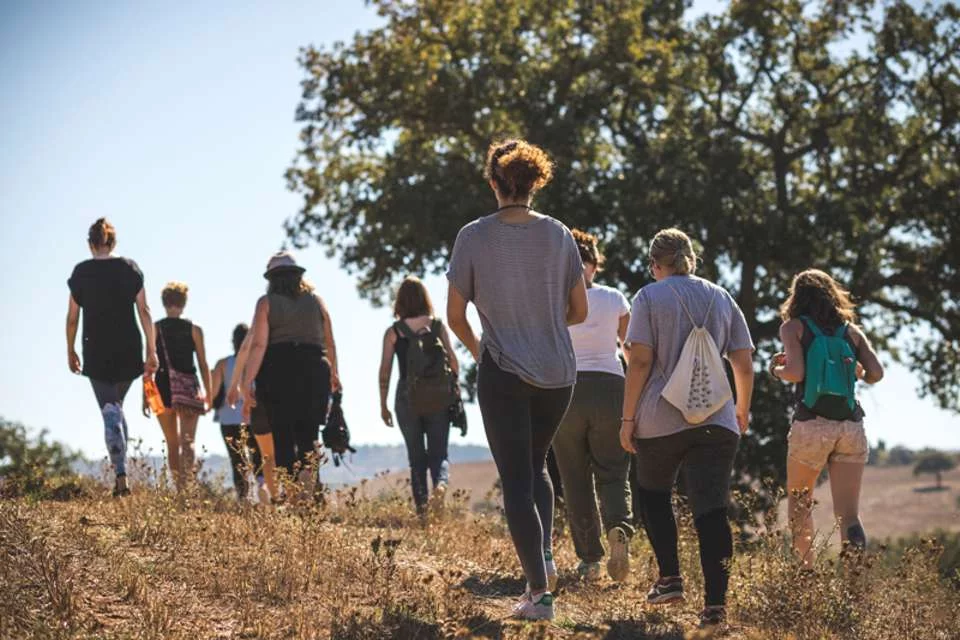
column 336, row 435
column 429, row 378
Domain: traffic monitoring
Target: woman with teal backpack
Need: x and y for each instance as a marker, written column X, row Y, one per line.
column 824, row 355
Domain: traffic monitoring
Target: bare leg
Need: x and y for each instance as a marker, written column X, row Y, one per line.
column 845, row 481
column 168, row 422
column 801, row 480
column 188, row 433
column 265, row 442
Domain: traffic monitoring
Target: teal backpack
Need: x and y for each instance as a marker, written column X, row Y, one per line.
column 831, row 374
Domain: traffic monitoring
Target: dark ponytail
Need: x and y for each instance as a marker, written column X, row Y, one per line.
column 102, row 235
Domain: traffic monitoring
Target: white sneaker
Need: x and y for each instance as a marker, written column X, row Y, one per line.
column 589, row 571
column 535, row 608
column 618, row 566
column 552, row 575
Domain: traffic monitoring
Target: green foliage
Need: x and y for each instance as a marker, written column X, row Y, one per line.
column 32, row 465
column 947, row 542
column 935, row 462
column 900, row 456
column 777, row 147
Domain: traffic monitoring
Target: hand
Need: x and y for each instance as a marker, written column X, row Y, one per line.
column 778, row 360
column 249, row 402
column 152, row 364
column 861, row 372
column 626, row 436
column 233, row 396
column 335, row 385
column 386, row 416
column 73, row 361
column 743, row 419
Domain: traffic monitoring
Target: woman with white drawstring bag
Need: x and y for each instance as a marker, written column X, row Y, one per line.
column 678, row 411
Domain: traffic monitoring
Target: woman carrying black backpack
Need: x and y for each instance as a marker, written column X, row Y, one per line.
column 427, row 367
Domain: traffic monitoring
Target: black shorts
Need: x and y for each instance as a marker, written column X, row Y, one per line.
column 259, row 423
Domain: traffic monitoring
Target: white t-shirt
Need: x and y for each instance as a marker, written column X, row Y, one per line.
column 595, row 340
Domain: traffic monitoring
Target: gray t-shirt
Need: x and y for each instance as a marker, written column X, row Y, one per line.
column 659, row 322
column 519, row 276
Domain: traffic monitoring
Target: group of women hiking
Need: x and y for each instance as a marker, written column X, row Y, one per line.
column 559, row 357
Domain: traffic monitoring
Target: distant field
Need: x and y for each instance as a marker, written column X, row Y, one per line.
column 893, row 502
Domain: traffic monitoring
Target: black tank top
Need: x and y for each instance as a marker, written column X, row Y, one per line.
column 802, row 413
column 176, row 335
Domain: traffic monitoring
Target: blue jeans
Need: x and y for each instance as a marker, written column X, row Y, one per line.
column 432, row 455
column 110, row 396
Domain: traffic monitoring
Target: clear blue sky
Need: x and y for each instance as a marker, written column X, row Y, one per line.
column 175, row 120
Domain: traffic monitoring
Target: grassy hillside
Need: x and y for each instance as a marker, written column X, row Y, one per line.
column 199, row 565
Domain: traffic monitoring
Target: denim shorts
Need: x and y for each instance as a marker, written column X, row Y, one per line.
column 821, row 440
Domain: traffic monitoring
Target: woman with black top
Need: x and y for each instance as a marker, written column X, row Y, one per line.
column 414, row 313
column 293, row 360
column 178, row 340
column 822, row 435
column 108, row 289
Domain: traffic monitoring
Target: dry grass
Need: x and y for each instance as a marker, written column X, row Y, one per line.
column 199, row 565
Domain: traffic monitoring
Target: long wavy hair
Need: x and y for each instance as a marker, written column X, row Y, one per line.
column 288, row 282
column 816, row 294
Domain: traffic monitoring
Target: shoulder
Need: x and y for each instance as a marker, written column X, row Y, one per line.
column 390, row 335
column 557, row 228
column 606, row 293
column 471, row 229
column 221, row 363
column 263, row 303
column 792, row 328
column 82, row 267
column 130, row 264
column 856, row 333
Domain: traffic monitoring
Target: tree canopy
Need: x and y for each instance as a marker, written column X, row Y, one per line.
column 778, row 134
column 935, row 462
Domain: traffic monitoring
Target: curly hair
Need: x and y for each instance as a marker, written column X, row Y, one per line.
column 816, row 294
column 102, row 235
column 174, row 294
column 518, row 169
column 587, row 245
column 673, row 248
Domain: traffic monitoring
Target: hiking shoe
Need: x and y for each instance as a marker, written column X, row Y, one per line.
column 552, row 577
column 618, row 566
column 120, row 487
column 712, row 617
column 666, row 591
column 589, row 571
column 535, row 608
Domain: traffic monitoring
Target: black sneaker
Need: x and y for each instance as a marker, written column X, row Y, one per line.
column 666, row 591
column 120, row 487
column 712, row 617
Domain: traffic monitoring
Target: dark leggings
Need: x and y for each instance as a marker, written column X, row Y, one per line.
column 110, row 396
column 520, row 421
column 294, row 386
column 706, row 455
column 233, row 438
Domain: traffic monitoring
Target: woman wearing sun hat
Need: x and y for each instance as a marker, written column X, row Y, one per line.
column 293, row 360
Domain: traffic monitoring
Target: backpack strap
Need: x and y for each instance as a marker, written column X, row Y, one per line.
column 404, row 329
column 814, row 329
column 690, row 315
column 435, row 327
column 841, row 330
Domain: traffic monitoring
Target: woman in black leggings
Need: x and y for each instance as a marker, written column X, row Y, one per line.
column 108, row 289
column 293, row 360
column 522, row 271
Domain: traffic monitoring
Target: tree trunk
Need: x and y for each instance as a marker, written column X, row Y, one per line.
column 939, row 481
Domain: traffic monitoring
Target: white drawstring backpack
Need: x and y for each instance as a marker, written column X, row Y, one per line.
column 698, row 386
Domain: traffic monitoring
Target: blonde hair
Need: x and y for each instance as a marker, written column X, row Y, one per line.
column 673, row 249
column 174, row 294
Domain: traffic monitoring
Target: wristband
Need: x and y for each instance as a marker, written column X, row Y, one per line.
column 627, row 419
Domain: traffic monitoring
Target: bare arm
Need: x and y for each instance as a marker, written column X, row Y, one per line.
column 233, row 389
column 457, row 319
column 202, row 361
column 622, row 331
column 73, row 322
column 331, row 348
column 866, row 356
column 577, row 304
column 149, row 333
column 451, row 354
column 791, row 367
column 741, row 361
column 386, row 367
column 216, row 378
column 260, row 330
column 639, row 363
